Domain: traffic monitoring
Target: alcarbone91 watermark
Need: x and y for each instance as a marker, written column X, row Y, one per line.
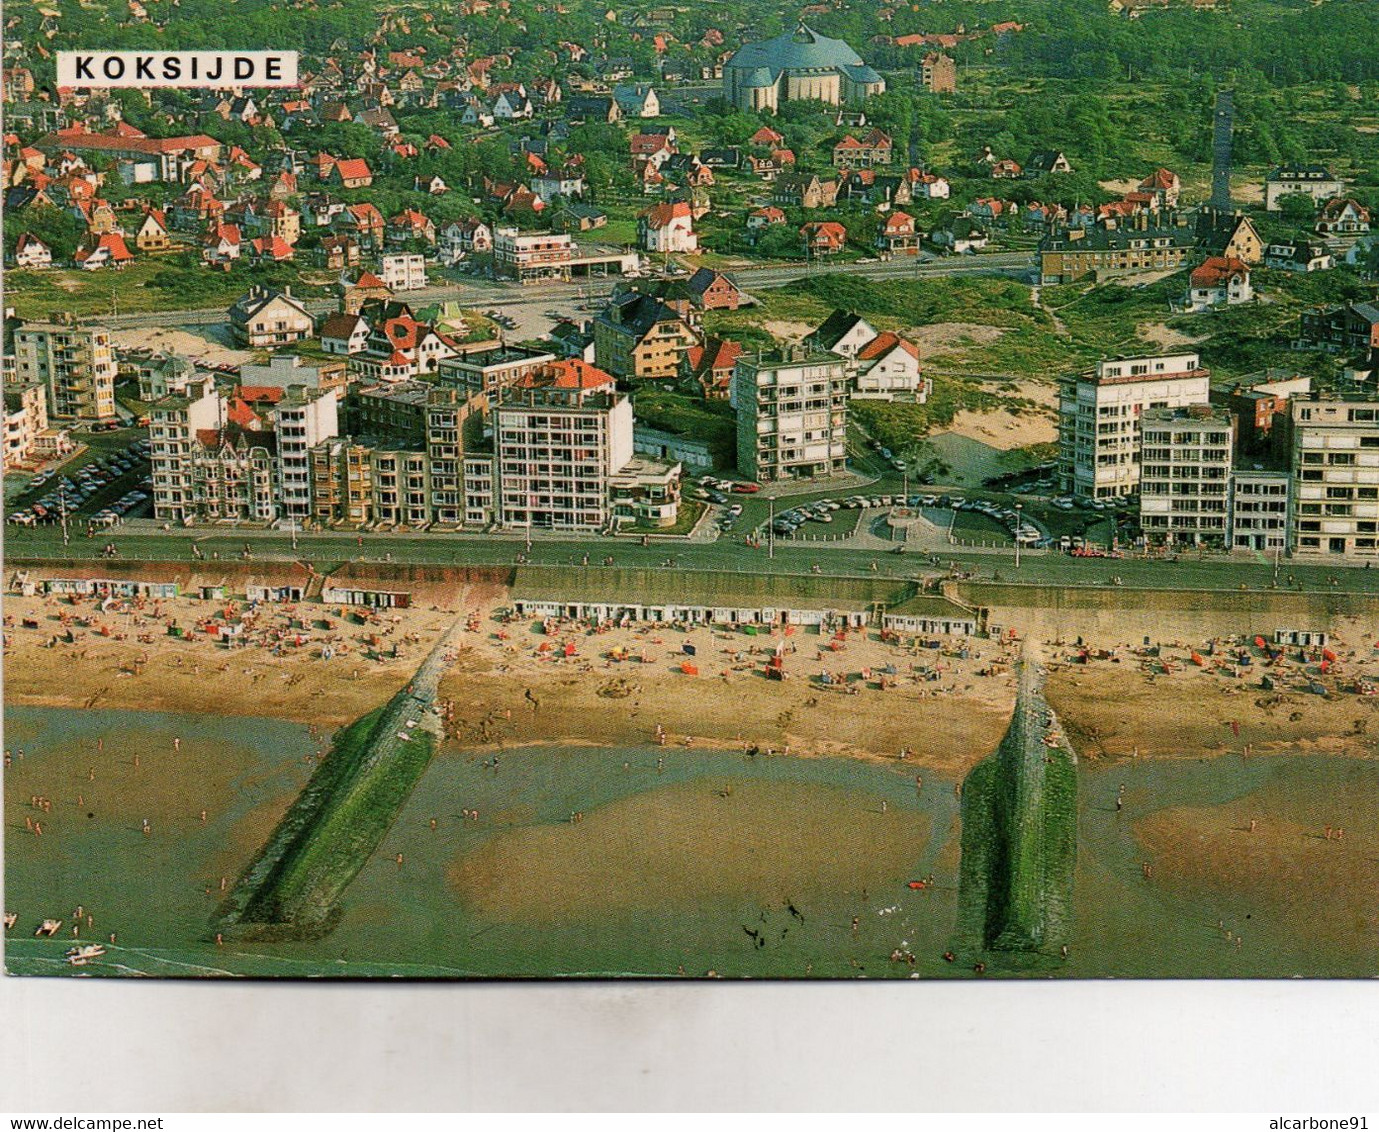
column 180, row 69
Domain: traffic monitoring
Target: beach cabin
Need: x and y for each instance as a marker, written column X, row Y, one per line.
column 110, row 587
column 284, row 593
column 928, row 614
column 1304, row 638
column 697, row 598
column 336, row 594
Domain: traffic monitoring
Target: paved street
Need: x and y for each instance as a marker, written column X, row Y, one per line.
column 147, row 541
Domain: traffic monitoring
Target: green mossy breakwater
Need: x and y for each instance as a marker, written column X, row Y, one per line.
column 1019, row 835
column 292, row 888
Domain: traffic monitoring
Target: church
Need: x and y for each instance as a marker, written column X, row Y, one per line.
column 798, row 66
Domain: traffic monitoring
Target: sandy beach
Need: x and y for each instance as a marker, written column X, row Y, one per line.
column 510, row 684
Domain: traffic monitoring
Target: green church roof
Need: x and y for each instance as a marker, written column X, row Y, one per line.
column 801, row 50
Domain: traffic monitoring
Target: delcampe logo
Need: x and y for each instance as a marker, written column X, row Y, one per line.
column 177, row 69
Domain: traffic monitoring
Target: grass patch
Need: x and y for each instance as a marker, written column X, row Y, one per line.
column 682, row 415
column 689, row 514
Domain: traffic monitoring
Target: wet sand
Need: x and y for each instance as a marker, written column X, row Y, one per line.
column 699, row 841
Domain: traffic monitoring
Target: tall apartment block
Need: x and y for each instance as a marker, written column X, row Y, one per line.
column 557, row 439
column 1259, row 509
column 1185, row 475
column 791, row 414
column 1099, row 418
column 302, row 419
column 1335, row 466
column 75, row 364
column 175, row 423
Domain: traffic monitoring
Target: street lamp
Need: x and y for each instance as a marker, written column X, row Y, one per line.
column 1019, row 515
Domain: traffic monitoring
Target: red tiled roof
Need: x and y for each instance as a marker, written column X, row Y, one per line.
column 884, row 343
column 1218, row 269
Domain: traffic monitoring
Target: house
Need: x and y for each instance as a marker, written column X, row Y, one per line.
column 1042, row 162
column 1342, row 216
column 339, row 252
column 898, row 235
column 764, row 217
column 411, row 225
column 638, row 336
column 667, row 227
column 651, row 149
column 1164, row 185
column 843, row 333
column 1349, row 329
column 888, row 367
column 1218, row 282
column 351, row 173
column 575, row 216
column 461, row 237
column 711, row 365
column 368, row 288
column 711, row 290
column 221, row 244
column 30, row 251
column 593, row 108
column 824, row 237
column 270, row 249
column 512, row 105
column 1298, row 255
column 688, row 170
column 1314, row 181
column 566, row 182
column 106, row 250
column 804, row 190
column 364, row 222
column 925, row 186
column 152, row 234
column 637, row 100
column 724, row 157
column 1230, row 234
column 959, row 233
column 267, row 317
column 874, row 149
column 1005, row 170
column 766, row 138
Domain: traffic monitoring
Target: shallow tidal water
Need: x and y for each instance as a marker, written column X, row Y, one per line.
column 683, row 860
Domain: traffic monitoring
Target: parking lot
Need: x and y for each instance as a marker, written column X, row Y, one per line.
column 99, row 488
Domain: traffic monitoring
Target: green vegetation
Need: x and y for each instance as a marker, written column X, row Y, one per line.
column 332, row 829
column 151, row 282
column 691, row 510
column 682, row 415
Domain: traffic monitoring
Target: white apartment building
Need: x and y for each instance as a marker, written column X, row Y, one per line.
column 403, row 271
column 556, row 443
column 1099, row 418
column 791, row 414
column 174, row 423
column 1335, row 464
column 75, row 364
column 1185, row 475
column 528, row 256
column 26, row 417
column 302, row 419
column 1259, row 510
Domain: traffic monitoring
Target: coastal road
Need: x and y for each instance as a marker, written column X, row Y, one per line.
column 146, row 541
